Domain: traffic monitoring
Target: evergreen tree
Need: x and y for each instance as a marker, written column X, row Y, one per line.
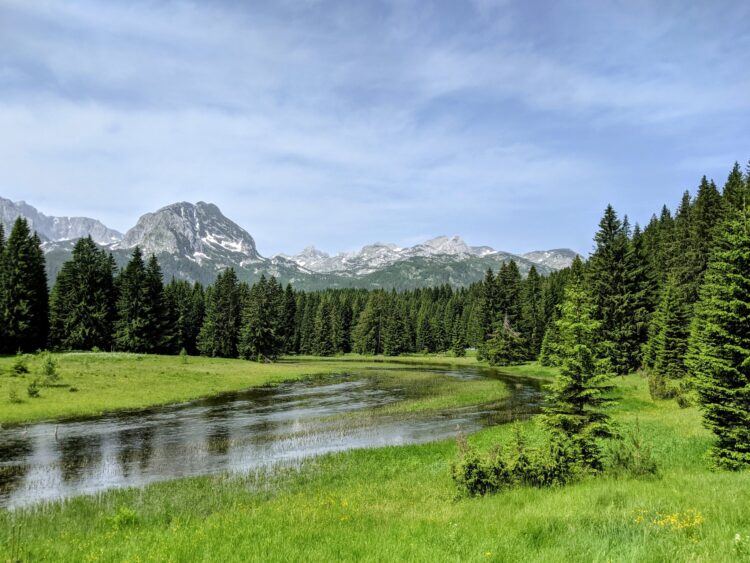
column 395, row 337
column 83, row 300
column 532, row 313
column 577, row 398
column 719, row 357
column 607, row 279
column 287, row 325
column 133, row 327
column 506, row 347
column 184, row 304
column 735, row 193
column 324, row 329
column 368, row 332
column 260, row 338
column 159, row 333
column 24, row 309
column 639, row 294
column 220, row 331
column 670, row 330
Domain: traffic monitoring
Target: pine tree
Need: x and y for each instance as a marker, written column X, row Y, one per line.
column 133, row 330
column 506, row 347
column 220, row 331
column 368, row 332
column 669, row 331
column 83, row 300
column 287, row 327
column 324, row 329
column 607, row 279
column 575, row 407
column 719, row 347
column 259, row 338
column 639, row 286
column 532, row 313
column 159, row 333
column 24, row 309
column 395, row 337
column 735, row 193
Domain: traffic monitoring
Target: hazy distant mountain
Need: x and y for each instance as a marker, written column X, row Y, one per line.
column 436, row 253
column 55, row 228
column 557, row 259
column 196, row 242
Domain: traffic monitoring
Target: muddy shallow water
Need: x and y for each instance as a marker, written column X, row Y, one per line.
column 236, row 432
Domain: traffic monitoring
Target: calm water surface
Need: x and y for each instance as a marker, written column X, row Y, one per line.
column 236, row 432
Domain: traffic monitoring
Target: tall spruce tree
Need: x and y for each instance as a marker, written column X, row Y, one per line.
column 669, row 331
column 607, row 279
column 160, row 333
column 735, row 193
column 24, row 309
column 260, row 336
column 575, row 407
column 220, row 331
column 133, row 327
column 83, row 300
column 719, row 347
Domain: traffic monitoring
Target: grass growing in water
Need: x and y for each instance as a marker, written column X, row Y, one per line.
column 106, row 382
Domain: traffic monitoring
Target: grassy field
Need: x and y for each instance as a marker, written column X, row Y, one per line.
column 93, row 383
column 399, row 503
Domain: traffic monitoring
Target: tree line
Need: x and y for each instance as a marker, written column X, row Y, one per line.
column 93, row 305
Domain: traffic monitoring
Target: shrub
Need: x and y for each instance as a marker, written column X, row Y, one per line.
column 13, row 397
column 631, row 456
column 514, row 466
column 33, row 389
column 49, row 370
column 659, row 388
column 20, row 365
column 183, row 356
column 123, row 518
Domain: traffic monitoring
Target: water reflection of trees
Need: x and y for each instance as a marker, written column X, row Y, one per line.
column 79, row 454
column 135, row 448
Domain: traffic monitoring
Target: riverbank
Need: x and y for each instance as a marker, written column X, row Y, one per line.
column 95, row 383
column 398, row 503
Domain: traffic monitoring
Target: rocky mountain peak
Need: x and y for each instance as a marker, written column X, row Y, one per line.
column 55, row 229
column 197, row 231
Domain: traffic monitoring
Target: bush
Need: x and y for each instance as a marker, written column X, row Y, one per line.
column 20, row 365
column 183, row 356
column 13, row 397
column 49, row 370
column 514, row 466
column 631, row 456
column 33, row 389
column 659, row 388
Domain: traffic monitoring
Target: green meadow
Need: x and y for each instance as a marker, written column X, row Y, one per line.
column 379, row 504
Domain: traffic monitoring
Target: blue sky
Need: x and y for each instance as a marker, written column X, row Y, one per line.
column 510, row 123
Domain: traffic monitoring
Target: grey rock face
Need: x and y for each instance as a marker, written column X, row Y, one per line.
column 556, row 259
column 198, row 232
column 56, row 228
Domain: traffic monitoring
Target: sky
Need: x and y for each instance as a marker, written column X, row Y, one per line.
column 510, row 123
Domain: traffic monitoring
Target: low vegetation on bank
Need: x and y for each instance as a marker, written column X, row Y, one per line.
column 400, row 503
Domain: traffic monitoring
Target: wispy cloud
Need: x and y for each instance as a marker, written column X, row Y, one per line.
column 340, row 123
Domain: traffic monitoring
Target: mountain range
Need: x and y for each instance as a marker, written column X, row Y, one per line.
column 196, row 241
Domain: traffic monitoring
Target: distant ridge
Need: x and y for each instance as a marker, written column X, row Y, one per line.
column 197, row 241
